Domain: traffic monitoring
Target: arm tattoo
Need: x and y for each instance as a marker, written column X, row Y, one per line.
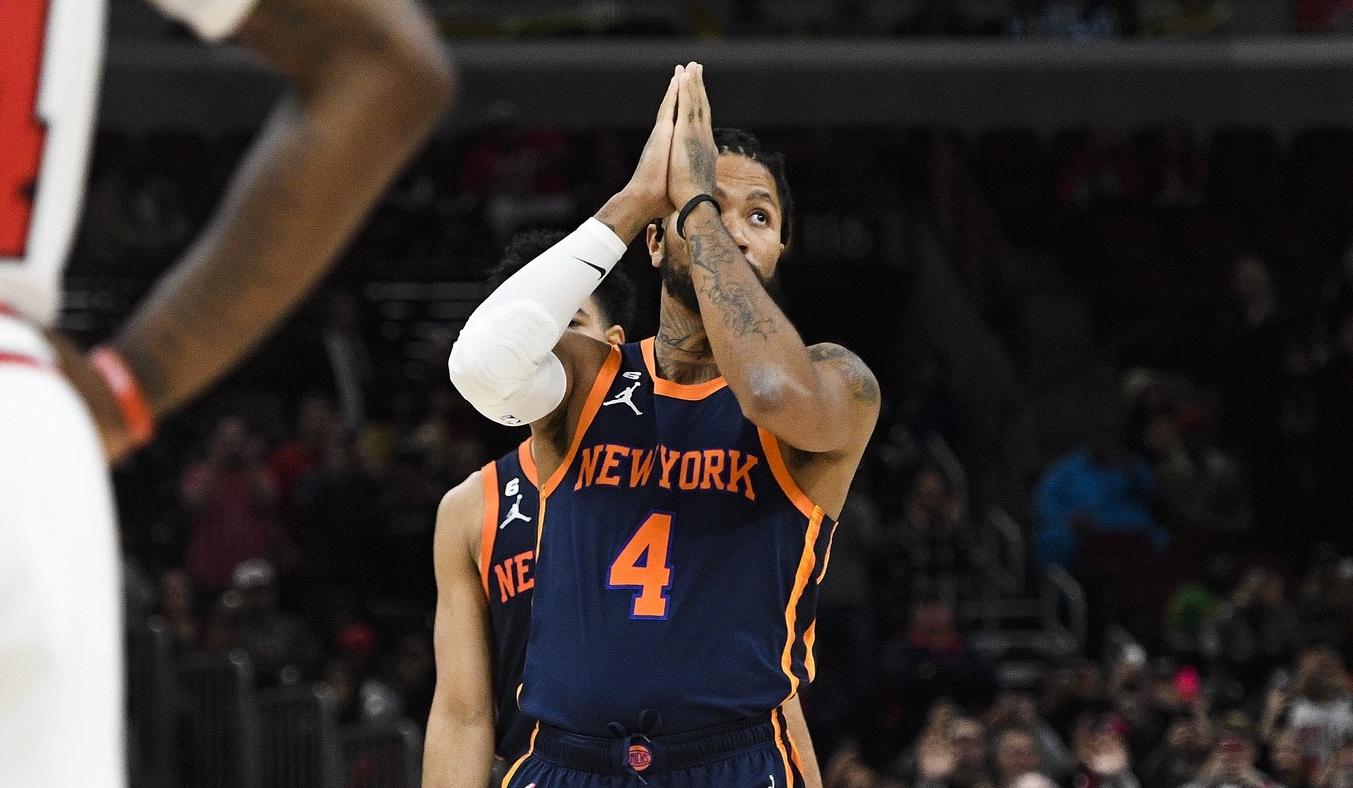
column 736, row 303
column 861, row 382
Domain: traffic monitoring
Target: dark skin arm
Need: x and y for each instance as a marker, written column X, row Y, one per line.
column 818, row 400
column 369, row 81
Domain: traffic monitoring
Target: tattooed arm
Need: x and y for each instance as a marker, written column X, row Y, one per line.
column 368, row 82
column 819, row 399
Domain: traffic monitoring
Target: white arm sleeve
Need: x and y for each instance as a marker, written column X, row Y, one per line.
column 503, row 362
column 212, row 19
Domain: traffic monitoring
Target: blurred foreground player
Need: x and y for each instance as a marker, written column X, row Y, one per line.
column 369, row 81
column 690, row 482
column 485, row 557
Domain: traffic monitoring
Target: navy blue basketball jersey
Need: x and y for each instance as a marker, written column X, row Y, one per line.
column 677, row 565
column 507, row 552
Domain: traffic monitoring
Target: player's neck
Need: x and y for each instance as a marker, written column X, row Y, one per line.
column 682, row 350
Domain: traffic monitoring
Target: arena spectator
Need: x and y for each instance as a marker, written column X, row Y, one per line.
column 1016, row 754
column 1099, row 742
column 1096, row 489
column 336, row 506
column 406, row 514
column 283, row 647
column 1231, row 763
column 934, row 661
column 951, row 753
column 937, row 543
column 1256, row 630
column 1321, row 709
column 230, row 499
column 1288, row 760
column 299, row 454
column 1183, row 754
column 1019, row 711
column 1338, row 771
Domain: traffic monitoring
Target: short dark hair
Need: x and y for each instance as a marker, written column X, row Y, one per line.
column 744, row 143
column 615, row 294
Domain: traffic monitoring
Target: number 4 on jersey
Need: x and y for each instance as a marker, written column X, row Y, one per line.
column 23, row 25
column 653, row 576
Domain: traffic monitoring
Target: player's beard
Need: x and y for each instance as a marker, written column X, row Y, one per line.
column 676, row 280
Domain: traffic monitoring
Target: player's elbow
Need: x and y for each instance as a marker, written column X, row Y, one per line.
column 418, row 84
column 429, row 76
column 770, row 394
column 503, row 383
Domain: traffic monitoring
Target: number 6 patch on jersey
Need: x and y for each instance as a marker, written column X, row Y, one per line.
column 642, row 564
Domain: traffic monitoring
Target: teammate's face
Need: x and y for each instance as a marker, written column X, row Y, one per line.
column 750, row 201
column 590, row 320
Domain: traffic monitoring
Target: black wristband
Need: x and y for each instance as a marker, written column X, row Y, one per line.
column 690, row 206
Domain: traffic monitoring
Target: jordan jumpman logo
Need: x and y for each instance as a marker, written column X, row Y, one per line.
column 626, row 397
column 514, row 514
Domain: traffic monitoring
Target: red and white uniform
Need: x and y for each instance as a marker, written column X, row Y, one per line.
column 61, row 707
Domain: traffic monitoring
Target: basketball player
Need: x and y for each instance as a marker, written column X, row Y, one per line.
column 368, row 81
column 690, row 482
column 484, row 554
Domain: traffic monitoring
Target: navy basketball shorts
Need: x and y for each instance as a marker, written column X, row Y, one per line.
column 754, row 753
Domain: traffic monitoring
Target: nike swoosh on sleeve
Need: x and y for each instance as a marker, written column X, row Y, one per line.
column 601, row 272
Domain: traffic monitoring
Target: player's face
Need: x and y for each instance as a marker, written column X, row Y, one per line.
column 750, row 201
column 589, row 320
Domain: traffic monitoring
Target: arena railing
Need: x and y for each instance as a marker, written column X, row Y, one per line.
column 152, row 705
column 300, row 746
column 220, row 725
column 1064, row 605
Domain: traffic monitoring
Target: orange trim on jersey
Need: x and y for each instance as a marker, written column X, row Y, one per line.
column 776, row 460
column 528, row 463
column 666, row 388
column 488, row 529
column 793, row 748
column 809, row 640
column 801, row 578
column 590, row 407
column 507, row 778
column 827, row 556
column 780, row 744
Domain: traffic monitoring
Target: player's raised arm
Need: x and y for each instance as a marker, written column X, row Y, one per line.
column 508, row 361
column 458, row 750
column 819, row 399
column 368, row 80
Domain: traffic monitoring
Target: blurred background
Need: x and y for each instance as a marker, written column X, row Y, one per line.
column 1095, row 250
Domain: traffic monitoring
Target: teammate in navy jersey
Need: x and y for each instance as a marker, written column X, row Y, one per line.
column 690, row 482
column 487, row 528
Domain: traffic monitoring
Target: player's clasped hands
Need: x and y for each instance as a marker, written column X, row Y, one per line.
column 690, row 170
column 677, row 162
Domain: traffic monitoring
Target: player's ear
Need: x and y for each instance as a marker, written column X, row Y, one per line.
column 615, row 335
column 654, row 239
